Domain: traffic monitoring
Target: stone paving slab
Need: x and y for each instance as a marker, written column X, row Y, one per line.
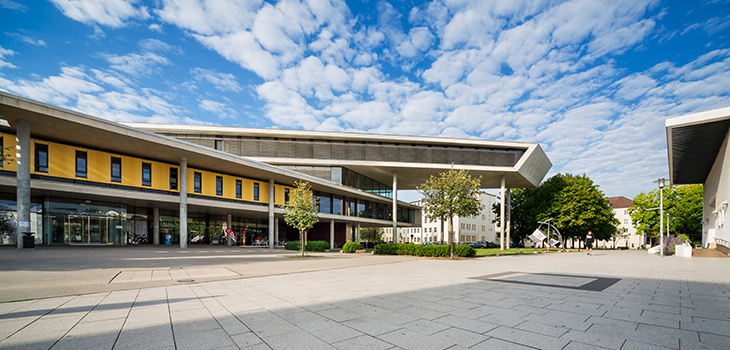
column 405, row 304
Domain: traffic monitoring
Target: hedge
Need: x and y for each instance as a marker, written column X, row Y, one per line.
column 312, row 246
column 351, row 247
column 461, row 250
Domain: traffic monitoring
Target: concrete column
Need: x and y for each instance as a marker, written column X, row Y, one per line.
column 271, row 213
column 156, row 226
column 183, row 202
column 22, row 156
column 508, row 214
column 395, row 209
column 501, row 216
column 332, row 234
column 229, row 219
column 357, row 233
column 277, row 233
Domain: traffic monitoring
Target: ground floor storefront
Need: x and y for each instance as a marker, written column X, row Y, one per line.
column 63, row 221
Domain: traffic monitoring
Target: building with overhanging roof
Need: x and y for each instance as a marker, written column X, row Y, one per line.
column 78, row 179
column 697, row 147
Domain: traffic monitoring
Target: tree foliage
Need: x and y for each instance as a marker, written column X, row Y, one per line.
column 453, row 193
column 302, row 212
column 682, row 203
column 371, row 234
column 574, row 202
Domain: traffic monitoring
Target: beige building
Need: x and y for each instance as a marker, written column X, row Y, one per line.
column 470, row 229
column 627, row 232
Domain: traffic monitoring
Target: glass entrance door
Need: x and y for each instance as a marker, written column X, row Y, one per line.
column 86, row 229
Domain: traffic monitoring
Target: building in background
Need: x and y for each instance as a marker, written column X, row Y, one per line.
column 627, row 237
column 470, row 229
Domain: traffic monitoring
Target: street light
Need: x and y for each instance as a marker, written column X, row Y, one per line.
column 661, row 215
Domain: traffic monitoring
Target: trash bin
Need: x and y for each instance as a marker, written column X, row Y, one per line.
column 168, row 239
column 28, row 240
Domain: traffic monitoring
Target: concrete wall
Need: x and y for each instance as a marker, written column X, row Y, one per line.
column 716, row 198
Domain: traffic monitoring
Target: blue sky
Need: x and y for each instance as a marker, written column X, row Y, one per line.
column 591, row 81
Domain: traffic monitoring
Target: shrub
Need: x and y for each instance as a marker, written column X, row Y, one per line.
column 351, row 247
column 292, row 245
column 317, row 246
column 461, row 250
column 312, row 246
column 465, row 251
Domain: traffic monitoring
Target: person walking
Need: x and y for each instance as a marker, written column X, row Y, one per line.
column 589, row 242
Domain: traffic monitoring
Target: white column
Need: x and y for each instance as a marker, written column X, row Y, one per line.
column 22, row 156
column 183, row 202
column 156, row 226
column 277, row 233
column 501, row 216
column 228, row 221
column 357, row 233
column 271, row 213
column 395, row 210
column 508, row 216
column 332, row 234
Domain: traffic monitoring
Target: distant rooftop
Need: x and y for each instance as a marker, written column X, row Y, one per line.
column 620, row 202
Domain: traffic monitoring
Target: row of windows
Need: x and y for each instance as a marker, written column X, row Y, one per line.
column 41, row 165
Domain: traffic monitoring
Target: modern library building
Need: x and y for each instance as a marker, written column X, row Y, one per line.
column 73, row 179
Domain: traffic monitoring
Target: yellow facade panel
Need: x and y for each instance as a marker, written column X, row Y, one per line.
column 131, row 171
column 61, row 160
column 9, row 151
column 160, row 176
column 99, row 166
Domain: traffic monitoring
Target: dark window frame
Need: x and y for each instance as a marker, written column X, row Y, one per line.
column 173, row 179
column 286, row 196
column 219, row 185
column 82, row 168
column 41, row 167
column 148, row 180
column 255, row 191
column 118, row 177
column 239, row 188
column 197, row 182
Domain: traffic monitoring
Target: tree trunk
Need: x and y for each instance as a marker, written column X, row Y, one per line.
column 451, row 237
column 301, row 242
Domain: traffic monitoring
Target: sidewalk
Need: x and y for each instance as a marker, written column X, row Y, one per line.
column 611, row 300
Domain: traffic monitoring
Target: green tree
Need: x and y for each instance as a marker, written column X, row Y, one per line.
column 574, row 202
column 682, row 203
column 371, row 234
column 302, row 212
column 450, row 194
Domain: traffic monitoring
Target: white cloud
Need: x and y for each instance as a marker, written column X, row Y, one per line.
column 242, row 48
column 136, row 64
column 27, row 39
column 155, row 28
column 12, row 5
column 221, row 81
column 218, row 108
column 210, row 17
column 3, row 54
column 112, row 13
column 157, row 45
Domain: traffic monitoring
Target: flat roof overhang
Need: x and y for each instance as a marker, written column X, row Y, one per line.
column 61, row 125
column 529, row 171
column 693, row 143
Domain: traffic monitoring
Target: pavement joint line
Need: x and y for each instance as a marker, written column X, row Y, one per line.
column 37, row 318
column 115, row 276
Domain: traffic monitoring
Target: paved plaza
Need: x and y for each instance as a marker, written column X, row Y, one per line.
column 231, row 298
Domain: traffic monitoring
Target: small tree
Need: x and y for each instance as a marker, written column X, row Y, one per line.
column 450, row 194
column 371, row 234
column 301, row 213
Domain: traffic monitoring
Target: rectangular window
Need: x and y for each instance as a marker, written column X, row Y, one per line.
column 41, row 158
column 198, row 182
column 626, row 212
column 146, row 174
column 219, row 185
column 2, row 149
column 219, row 145
column 116, row 169
column 286, row 196
column 173, row 178
column 255, row 191
column 238, row 189
column 81, row 164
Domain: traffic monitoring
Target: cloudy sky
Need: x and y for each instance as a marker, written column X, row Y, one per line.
column 591, row 81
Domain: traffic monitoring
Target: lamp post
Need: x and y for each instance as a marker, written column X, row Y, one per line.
column 661, row 215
